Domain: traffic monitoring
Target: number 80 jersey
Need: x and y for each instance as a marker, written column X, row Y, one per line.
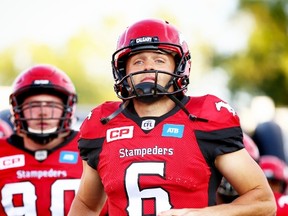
column 42, row 183
column 148, row 165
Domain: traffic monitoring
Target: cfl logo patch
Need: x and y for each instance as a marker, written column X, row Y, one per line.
column 119, row 133
column 148, row 124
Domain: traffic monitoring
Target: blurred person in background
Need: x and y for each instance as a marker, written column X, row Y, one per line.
column 276, row 171
column 39, row 164
column 5, row 129
column 268, row 135
column 5, row 115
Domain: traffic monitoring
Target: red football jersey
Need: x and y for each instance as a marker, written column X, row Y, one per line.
column 282, row 204
column 39, row 183
column 152, row 164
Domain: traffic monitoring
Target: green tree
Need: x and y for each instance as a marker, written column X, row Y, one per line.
column 262, row 68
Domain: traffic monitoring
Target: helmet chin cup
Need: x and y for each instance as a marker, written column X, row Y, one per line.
column 42, row 139
column 147, row 92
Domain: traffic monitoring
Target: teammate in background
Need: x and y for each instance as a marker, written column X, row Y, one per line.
column 268, row 136
column 40, row 167
column 160, row 152
column 276, row 171
column 6, row 116
column 226, row 193
column 5, row 129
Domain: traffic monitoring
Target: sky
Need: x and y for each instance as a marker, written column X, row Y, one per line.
column 53, row 22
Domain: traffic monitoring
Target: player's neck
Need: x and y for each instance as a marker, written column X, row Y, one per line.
column 157, row 108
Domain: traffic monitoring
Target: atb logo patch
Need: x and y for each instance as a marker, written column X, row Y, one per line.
column 68, row 157
column 221, row 104
column 119, row 133
column 12, row 161
column 148, row 124
column 173, row 130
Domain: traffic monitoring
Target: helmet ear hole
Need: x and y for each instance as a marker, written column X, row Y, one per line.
column 182, row 82
column 185, row 81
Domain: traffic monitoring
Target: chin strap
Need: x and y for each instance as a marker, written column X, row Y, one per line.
column 105, row 120
column 190, row 116
column 181, row 105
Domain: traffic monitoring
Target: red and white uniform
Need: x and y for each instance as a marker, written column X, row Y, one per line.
column 282, row 204
column 33, row 187
column 148, row 165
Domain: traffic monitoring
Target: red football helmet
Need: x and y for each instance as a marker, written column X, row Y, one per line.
column 251, row 147
column 274, row 169
column 151, row 34
column 42, row 79
column 5, row 129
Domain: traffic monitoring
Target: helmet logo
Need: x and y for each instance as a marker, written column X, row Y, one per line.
column 41, row 82
column 142, row 40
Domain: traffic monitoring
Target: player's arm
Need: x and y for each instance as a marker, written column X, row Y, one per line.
column 90, row 197
column 244, row 174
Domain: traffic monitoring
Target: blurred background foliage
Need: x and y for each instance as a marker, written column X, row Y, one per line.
column 260, row 68
column 77, row 58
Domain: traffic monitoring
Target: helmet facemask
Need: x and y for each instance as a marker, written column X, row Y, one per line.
column 42, row 135
column 149, row 92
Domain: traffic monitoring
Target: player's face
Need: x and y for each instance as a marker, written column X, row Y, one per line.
column 42, row 111
column 150, row 60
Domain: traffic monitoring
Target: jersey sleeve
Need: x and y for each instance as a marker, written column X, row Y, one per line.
column 222, row 133
column 218, row 142
column 92, row 133
column 90, row 150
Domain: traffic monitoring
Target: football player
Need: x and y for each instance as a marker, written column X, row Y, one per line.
column 40, row 167
column 276, row 171
column 160, row 151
